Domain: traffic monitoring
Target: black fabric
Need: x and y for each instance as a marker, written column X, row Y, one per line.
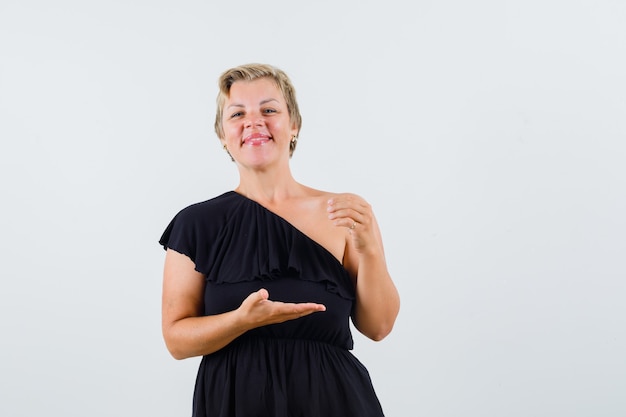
column 300, row 368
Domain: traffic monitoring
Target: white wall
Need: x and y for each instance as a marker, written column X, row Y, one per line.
column 489, row 136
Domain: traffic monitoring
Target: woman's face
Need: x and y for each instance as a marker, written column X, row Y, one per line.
column 257, row 128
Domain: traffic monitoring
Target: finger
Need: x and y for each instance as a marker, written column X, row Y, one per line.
column 350, row 213
column 350, row 221
column 346, row 201
column 302, row 310
column 256, row 297
column 300, row 307
column 353, row 213
column 345, row 212
column 262, row 294
column 312, row 307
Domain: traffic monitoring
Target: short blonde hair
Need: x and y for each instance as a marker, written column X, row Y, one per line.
column 250, row 72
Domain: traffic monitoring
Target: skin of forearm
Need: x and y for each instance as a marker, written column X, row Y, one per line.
column 198, row 336
column 377, row 299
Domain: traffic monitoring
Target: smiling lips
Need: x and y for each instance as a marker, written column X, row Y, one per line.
column 256, row 139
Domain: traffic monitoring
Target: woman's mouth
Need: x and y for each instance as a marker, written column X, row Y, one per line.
column 256, row 139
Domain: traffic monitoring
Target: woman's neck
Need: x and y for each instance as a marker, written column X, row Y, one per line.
column 268, row 188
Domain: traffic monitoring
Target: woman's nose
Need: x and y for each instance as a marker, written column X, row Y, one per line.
column 254, row 121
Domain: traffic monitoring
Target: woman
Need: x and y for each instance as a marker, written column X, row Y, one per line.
column 262, row 281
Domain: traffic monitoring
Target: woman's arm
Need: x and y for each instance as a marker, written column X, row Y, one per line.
column 377, row 299
column 188, row 333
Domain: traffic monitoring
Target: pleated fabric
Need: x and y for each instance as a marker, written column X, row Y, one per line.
column 300, row 368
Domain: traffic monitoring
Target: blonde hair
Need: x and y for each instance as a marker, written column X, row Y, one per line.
column 250, row 72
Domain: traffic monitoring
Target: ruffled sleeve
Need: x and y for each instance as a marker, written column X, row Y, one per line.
column 233, row 239
column 179, row 235
column 193, row 231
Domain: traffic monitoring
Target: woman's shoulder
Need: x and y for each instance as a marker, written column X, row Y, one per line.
column 326, row 195
column 215, row 205
column 316, row 196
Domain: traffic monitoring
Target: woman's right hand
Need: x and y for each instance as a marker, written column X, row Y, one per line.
column 258, row 310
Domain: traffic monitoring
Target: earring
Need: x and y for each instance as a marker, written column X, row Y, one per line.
column 292, row 145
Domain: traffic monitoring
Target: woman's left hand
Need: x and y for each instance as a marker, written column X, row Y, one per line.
column 354, row 213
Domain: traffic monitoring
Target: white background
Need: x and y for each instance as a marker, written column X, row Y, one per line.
column 490, row 137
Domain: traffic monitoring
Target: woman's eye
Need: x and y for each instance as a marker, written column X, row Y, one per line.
column 237, row 114
column 269, row 111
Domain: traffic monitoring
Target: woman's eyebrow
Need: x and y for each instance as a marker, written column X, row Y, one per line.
column 267, row 100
